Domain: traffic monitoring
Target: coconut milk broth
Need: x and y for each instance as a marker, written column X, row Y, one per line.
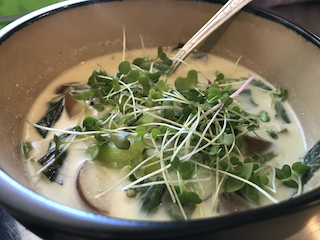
column 290, row 146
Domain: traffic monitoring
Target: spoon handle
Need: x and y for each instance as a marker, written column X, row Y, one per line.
column 227, row 11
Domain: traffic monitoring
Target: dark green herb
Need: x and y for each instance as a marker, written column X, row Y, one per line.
column 312, row 160
column 264, row 116
column 151, row 197
column 247, row 94
column 281, row 93
column 273, row 134
column 286, row 174
column 187, row 83
column 51, row 117
column 180, row 45
column 58, row 157
column 260, row 84
column 242, row 170
column 281, row 112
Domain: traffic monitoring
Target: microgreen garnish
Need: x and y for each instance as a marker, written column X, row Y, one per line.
column 187, row 83
column 272, row 134
column 291, row 176
column 264, row 116
column 51, row 117
column 281, row 93
column 164, row 136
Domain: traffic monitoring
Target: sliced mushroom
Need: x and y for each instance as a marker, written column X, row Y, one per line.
column 92, row 179
column 62, row 89
column 207, row 187
column 203, row 79
column 280, row 128
column 72, row 106
column 65, row 88
column 253, row 145
column 232, row 203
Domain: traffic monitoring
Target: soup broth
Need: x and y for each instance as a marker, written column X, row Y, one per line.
column 253, row 131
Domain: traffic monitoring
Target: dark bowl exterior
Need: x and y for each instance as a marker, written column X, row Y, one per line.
column 37, row 48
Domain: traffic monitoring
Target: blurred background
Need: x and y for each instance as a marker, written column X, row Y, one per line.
column 13, row 9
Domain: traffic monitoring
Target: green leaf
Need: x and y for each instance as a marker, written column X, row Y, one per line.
column 250, row 193
column 98, row 107
column 225, row 97
column 175, row 163
column 93, row 151
column 224, row 166
column 141, row 130
column 300, row 168
column 235, row 161
column 185, row 167
column 113, row 157
column 58, row 142
column 252, row 127
column 187, row 83
column 264, row 116
column 138, row 61
column 272, row 134
column 232, row 184
column 164, row 57
column 283, row 173
column 162, row 86
column 182, row 167
column 214, row 94
column 155, row 132
column 133, row 75
column 91, row 124
column 219, row 77
column 143, row 80
column 155, row 94
column 120, row 140
column 180, row 45
column 213, row 150
column 268, row 156
column 245, row 169
column 227, row 139
column 112, row 103
column 227, row 88
column 264, row 178
column 100, row 138
column 142, row 63
column 281, row 93
column 84, row 96
column 248, row 159
column 124, row 67
column 162, row 129
column 291, row 183
column 154, row 76
column 187, row 196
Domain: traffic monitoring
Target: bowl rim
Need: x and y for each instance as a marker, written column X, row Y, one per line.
column 21, row 201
